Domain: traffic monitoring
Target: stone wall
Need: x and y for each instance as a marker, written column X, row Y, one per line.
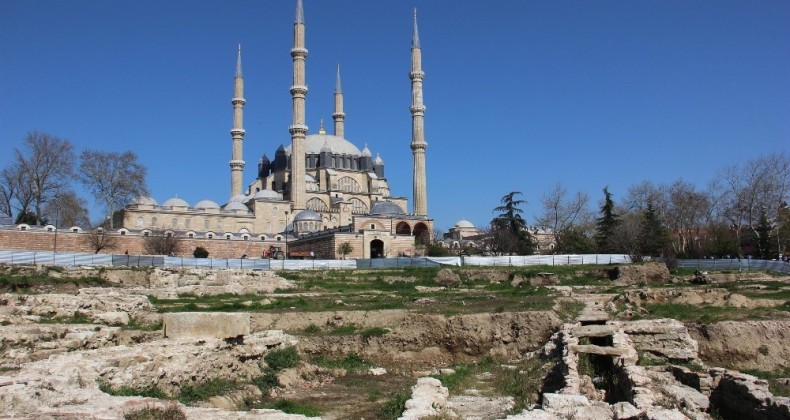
column 40, row 240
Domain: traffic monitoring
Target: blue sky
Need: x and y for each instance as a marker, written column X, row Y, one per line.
column 520, row 95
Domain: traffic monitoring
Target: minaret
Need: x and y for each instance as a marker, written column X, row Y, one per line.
column 339, row 116
column 237, row 132
column 298, row 128
column 418, row 144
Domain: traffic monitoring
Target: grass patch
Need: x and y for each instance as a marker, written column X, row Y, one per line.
column 523, row 383
column 190, row 394
column 394, row 407
column 312, row 329
column 281, row 359
column 149, row 392
column 170, row 412
column 374, row 332
column 77, row 318
column 23, row 283
column 345, row 330
column 351, row 362
column 777, row 388
column 568, row 310
column 708, row 314
column 136, row 324
column 266, row 381
column 293, row 407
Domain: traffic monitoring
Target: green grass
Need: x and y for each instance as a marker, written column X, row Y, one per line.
column 190, row 394
column 266, row 381
column 171, row 412
column 281, row 359
column 77, row 318
column 150, row 392
column 344, row 330
column 373, row 332
column 394, row 407
column 351, row 362
column 293, row 407
column 776, row 388
column 708, row 314
column 569, row 310
column 136, row 324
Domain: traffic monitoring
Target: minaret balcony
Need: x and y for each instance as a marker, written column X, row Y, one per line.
column 417, row 109
column 237, row 132
column 236, row 164
column 299, row 90
column 417, row 75
column 238, row 101
column 415, row 146
column 298, row 129
column 298, row 52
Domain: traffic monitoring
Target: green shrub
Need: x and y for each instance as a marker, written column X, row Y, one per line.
column 200, row 252
column 312, row 329
column 345, row 329
column 282, row 359
column 149, row 392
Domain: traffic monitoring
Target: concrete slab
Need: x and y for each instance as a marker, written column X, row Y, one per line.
column 594, row 331
column 206, row 324
column 604, row 351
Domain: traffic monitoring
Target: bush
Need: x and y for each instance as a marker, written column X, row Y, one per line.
column 374, row 332
column 395, row 406
column 200, row 252
column 282, row 359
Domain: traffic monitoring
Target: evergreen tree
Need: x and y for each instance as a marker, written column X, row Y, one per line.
column 654, row 236
column 765, row 240
column 606, row 225
column 508, row 229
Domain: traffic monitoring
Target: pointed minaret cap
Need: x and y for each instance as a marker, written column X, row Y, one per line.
column 322, row 130
column 338, row 86
column 299, row 12
column 366, row 151
column 238, row 63
column 415, row 36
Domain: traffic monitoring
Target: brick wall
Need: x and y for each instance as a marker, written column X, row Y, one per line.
column 38, row 240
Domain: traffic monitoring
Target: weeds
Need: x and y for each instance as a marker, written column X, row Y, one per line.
column 394, row 407
column 293, row 407
column 281, row 359
column 190, row 394
column 149, row 392
column 351, row 362
column 170, row 412
column 373, row 332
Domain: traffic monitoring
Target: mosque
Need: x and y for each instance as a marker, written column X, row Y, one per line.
column 319, row 191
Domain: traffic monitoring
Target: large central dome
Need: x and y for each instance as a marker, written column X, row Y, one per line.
column 337, row 145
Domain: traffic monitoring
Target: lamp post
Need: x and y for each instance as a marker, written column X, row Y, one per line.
column 285, row 255
column 57, row 215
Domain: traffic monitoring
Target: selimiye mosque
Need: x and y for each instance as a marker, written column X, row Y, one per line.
column 319, row 191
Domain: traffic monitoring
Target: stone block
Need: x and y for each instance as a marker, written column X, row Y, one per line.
column 206, row 324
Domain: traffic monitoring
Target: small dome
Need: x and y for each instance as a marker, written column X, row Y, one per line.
column 241, row 198
column 206, row 204
column 267, row 195
column 175, row 202
column 463, row 223
column 379, row 160
column 366, row 151
column 307, row 215
column 235, row 205
column 385, row 208
column 145, row 200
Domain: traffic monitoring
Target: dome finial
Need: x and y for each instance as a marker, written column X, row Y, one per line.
column 322, row 130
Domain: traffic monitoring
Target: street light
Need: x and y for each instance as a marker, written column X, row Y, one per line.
column 285, row 256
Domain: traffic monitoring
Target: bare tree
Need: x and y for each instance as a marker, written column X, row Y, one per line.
column 46, row 164
column 160, row 242
column 67, row 210
column 687, row 215
column 99, row 238
column 113, row 178
column 560, row 213
column 753, row 190
column 17, row 193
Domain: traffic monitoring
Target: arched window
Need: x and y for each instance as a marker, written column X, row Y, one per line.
column 219, row 224
column 187, row 223
column 348, row 184
column 174, row 223
column 140, row 221
column 358, row 206
column 153, row 221
column 316, row 204
column 206, row 224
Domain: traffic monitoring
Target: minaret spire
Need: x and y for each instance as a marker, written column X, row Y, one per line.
column 418, row 144
column 298, row 128
column 339, row 116
column 237, row 132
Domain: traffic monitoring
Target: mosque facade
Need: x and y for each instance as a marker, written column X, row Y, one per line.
column 319, row 190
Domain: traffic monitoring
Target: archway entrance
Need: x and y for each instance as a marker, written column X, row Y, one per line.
column 422, row 236
column 403, row 228
column 376, row 248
